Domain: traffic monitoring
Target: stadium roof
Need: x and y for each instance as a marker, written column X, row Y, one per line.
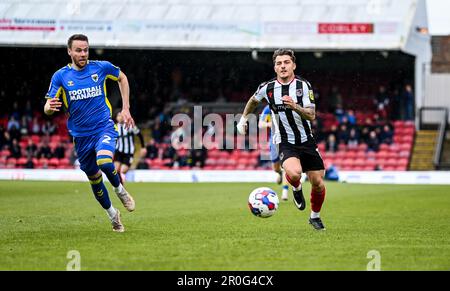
column 217, row 24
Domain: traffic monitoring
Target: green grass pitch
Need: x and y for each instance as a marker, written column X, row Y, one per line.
column 207, row 226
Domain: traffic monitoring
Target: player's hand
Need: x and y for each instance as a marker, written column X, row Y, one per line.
column 52, row 105
column 287, row 100
column 127, row 119
column 242, row 126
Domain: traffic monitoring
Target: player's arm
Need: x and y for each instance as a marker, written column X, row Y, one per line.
column 124, row 87
column 141, row 139
column 249, row 108
column 308, row 113
column 53, row 104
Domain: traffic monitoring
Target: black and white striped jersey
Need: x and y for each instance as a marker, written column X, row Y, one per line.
column 125, row 140
column 288, row 125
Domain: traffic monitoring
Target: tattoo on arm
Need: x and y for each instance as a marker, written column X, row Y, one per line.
column 250, row 106
column 307, row 113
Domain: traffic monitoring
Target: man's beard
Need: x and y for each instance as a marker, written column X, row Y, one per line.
column 79, row 65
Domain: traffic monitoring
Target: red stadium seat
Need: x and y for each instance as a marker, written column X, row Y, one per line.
column 21, row 162
column 36, row 139
column 350, row 155
column 53, row 162
column 11, row 163
column 405, row 147
column 55, row 138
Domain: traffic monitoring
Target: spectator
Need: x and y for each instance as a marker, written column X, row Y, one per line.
column 342, row 136
column 15, row 113
column 60, row 151
column 44, row 150
column 373, row 144
column 169, row 153
column 31, row 149
column 331, row 144
column 13, row 124
column 339, row 112
column 48, row 128
column 16, row 151
column 408, row 102
column 156, row 131
column 387, row 135
column 198, row 157
column 35, row 126
column 382, row 100
column 353, row 139
column 365, row 134
column 351, row 117
column 29, row 163
column 23, row 126
column 152, row 150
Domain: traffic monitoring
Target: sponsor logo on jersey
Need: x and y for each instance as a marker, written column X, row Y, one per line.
column 85, row 93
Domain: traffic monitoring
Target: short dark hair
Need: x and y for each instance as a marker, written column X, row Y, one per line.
column 76, row 37
column 283, row 52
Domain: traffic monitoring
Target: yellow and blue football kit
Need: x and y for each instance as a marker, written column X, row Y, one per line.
column 267, row 117
column 83, row 93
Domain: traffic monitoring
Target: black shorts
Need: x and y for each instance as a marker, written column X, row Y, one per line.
column 122, row 158
column 307, row 153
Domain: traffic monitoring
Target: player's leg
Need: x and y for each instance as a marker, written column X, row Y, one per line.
column 285, row 187
column 276, row 166
column 123, row 171
column 117, row 166
column 277, row 169
column 315, row 170
column 87, row 158
column 105, row 148
column 125, row 166
column 104, row 161
column 276, row 162
column 293, row 169
column 317, row 197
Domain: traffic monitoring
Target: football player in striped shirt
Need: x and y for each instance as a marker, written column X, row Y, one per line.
column 291, row 101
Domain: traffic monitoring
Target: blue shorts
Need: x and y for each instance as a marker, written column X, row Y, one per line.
column 88, row 146
column 274, row 153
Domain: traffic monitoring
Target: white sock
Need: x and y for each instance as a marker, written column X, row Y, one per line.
column 315, row 214
column 298, row 188
column 118, row 189
column 111, row 211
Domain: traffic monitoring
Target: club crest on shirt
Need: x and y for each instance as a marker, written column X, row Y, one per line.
column 281, row 156
column 299, row 92
column 94, row 77
column 70, row 83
